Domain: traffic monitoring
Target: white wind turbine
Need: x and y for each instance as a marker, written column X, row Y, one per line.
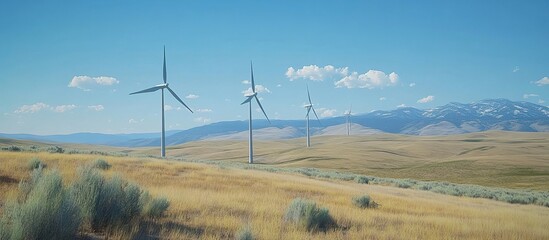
column 162, row 87
column 309, row 107
column 348, row 117
column 249, row 98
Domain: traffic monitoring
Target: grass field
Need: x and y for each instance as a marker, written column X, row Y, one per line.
column 211, row 202
column 496, row 159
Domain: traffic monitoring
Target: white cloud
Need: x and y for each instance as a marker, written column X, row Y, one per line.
column 246, row 82
column 427, row 99
column 529, row 95
column 167, row 108
column 132, row 121
column 84, row 82
column 203, row 110
column 33, row 108
column 382, row 98
column 325, row 112
column 412, row 84
column 401, row 105
column 370, row 80
column 42, row 106
column 516, row 69
column 192, row 96
column 96, row 107
column 316, row 73
column 202, row 120
column 543, row 81
column 258, row 89
column 279, row 85
column 64, row 108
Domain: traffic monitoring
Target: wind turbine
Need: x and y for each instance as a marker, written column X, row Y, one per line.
column 309, row 107
column 162, row 87
column 348, row 116
column 249, row 98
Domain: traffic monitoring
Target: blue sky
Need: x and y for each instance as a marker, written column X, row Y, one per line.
column 68, row 66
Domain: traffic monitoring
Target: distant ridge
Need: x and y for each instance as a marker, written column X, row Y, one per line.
column 452, row 118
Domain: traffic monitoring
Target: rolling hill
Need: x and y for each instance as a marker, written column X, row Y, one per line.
column 493, row 158
column 450, row 119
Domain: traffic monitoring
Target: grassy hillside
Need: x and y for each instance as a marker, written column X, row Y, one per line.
column 497, row 159
column 211, row 202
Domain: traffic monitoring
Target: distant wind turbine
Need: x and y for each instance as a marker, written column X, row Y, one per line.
column 309, row 107
column 161, row 87
column 249, row 98
column 348, row 117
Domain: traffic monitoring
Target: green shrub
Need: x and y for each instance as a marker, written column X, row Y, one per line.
column 12, row 149
column 85, row 192
column 364, row 201
column 306, row 214
column 101, row 164
column 109, row 204
column 5, row 231
column 245, row 234
column 44, row 212
column 153, row 208
column 131, row 207
column 35, row 163
column 362, row 179
column 25, row 187
column 56, row 149
column 112, row 202
column 45, row 209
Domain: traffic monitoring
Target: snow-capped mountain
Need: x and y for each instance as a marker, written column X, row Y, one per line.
column 489, row 109
column 453, row 118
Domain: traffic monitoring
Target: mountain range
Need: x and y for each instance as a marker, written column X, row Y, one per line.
column 452, row 118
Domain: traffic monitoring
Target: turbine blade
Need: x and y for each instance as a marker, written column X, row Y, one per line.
column 309, row 95
column 179, row 99
column 308, row 111
column 315, row 114
column 147, row 90
column 165, row 73
column 350, row 109
column 252, row 73
column 247, row 100
column 259, row 103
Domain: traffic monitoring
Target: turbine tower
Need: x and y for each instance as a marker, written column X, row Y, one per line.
column 249, row 98
column 348, row 117
column 162, row 87
column 309, row 107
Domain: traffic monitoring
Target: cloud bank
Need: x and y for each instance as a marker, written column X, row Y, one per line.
column 371, row 79
column 86, row 82
column 543, row 81
column 343, row 77
column 40, row 106
column 316, row 73
column 427, row 99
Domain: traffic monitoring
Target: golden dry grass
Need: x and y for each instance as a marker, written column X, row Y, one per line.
column 496, row 159
column 210, row 202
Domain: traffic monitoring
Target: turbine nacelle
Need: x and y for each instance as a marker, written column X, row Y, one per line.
column 164, row 85
column 308, row 105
